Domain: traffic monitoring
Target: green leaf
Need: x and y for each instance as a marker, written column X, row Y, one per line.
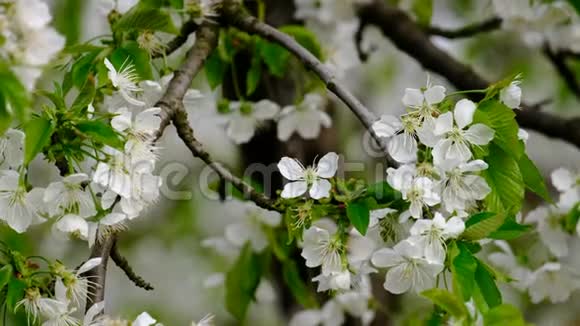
column 100, row 132
column 177, row 4
column 383, row 193
column 254, row 75
column 275, row 57
column 510, row 230
column 359, row 215
column 143, row 17
column 132, row 54
column 504, row 314
column 533, row 178
column 480, row 225
column 15, row 293
column 446, row 301
column 501, row 119
column 85, row 97
column 304, row 37
column 463, row 266
column 5, row 275
column 38, row 131
column 505, row 180
column 215, row 69
column 423, row 10
column 242, row 280
column 487, row 287
column 14, row 94
column 575, row 4
column 82, row 68
column 5, row 115
column 297, row 286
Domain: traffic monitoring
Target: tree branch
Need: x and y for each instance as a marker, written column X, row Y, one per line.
column 234, row 14
column 558, row 60
column 466, row 31
column 411, row 39
column 98, row 274
column 124, row 265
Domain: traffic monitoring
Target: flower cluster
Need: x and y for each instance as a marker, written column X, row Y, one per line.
column 28, row 41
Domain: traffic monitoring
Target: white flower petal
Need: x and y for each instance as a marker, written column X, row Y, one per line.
column 479, row 134
column 90, row 264
column 413, row 97
column 463, row 113
column 327, row 166
column 320, row 189
column 291, row 169
column 435, row 94
column 294, row 189
column 398, row 280
column 387, row 126
column 444, row 123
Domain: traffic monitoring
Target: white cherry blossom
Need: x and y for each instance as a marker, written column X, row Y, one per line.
column 552, row 281
column 115, row 174
column 432, row 234
column 320, row 248
column 408, row 269
column 19, row 208
column 460, row 187
column 245, row 118
column 456, row 140
column 125, row 81
column 507, row 262
column 306, row 119
column 419, row 191
column 251, row 228
column 402, row 144
column 11, row 149
column 568, row 184
column 70, row 196
column 424, row 101
column 312, row 179
column 71, row 286
column 549, row 228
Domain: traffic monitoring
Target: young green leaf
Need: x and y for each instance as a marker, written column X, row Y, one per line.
column 242, row 280
column 501, row 119
column 5, row 115
column 505, row 180
column 16, row 288
column 253, row 76
column 14, row 93
column 132, row 54
column 5, row 275
column 359, row 215
column 304, row 37
column 504, row 314
column 480, row 225
column 447, row 301
column 86, row 96
column 423, row 10
column 463, row 266
column 533, row 178
column 487, row 287
column 275, row 57
column 215, row 69
column 297, row 286
column 38, row 131
column 510, row 229
column 100, row 132
column 82, row 68
column 147, row 18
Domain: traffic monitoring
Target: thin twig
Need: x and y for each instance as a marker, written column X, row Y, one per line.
column 410, row 38
column 466, row 31
column 558, row 60
column 186, row 29
column 233, row 14
column 98, row 275
column 124, row 265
